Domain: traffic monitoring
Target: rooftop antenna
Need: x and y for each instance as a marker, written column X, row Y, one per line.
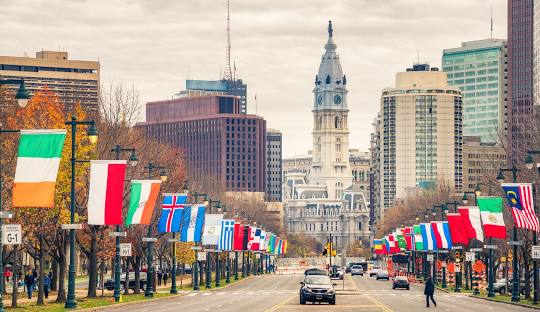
column 227, row 75
column 491, row 20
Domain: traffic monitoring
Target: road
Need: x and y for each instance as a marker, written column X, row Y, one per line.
column 273, row 293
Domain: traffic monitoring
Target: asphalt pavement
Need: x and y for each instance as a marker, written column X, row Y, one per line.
column 273, row 293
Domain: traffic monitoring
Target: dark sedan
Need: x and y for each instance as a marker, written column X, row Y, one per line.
column 317, row 288
column 400, row 282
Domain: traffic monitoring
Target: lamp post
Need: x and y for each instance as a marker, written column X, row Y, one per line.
column 529, row 162
column 468, row 266
column 490, row 260
column 174, row 290
column 515, row 273
column 133, row 160
column 92, row 136
column 458, row 274
column 149, row 290
column 22, row 99
column 196, row 266
column 442, row 207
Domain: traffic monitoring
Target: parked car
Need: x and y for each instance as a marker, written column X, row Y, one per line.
column 315, row 271
column 400, row 282
column 109, row 283
column 317, row 288
column 373, row 272
column 382, row 274
column 357, row 270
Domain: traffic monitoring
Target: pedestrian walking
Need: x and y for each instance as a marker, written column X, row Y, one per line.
column 165, row 276
column 429, row 290
column 46, row 285
column 159, row 276
column 29, row 282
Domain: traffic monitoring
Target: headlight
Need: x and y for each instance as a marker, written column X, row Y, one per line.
column 307, row 289
column 331, row 291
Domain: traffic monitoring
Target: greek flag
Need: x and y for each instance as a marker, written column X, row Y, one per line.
column 226, row 235
column 192, row 223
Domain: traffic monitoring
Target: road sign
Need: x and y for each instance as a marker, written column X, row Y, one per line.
column 201, row 256
column 469, row 256
column 232, row 255
column 458, row 268
column 479, row 266
column 536, row 252
column 125, row 250
column 429, row 257
column 451, row 267
column 11, row 234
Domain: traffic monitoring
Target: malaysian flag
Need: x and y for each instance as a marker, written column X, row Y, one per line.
column 520, row 198
column 227, row 234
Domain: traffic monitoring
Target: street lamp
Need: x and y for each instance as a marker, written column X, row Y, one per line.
column 22, row 95
column 529, row 162
column 174, row 290
column 92, row 136
column 117, row 270
column 148, row 292
column 515, row 273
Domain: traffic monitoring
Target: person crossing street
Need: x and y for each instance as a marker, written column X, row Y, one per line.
column 429, row 290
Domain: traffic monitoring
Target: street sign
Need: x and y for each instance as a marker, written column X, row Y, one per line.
column 231, row 255
column 11, row 234
column 476, row 250
column 536, row 252
column 125, row 250
column 490, row 246
column 469, row 256
column 479, row 266
column 457, row 268
column 429, row 257
column 201, row 256
column 457, row 247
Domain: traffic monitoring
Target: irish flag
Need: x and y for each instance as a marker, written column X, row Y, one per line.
column 491, row 211
column 106, row 192
column 37, row 167
column 143, row 198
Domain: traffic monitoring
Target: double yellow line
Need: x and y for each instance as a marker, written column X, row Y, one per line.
column 279, row 305
column 375, row 301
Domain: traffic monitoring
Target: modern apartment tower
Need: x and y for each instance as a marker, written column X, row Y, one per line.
column 520, row 77
column 72, row 80
column 274, row 171
column 478, row 69
column 218, row 87
column 420, row 128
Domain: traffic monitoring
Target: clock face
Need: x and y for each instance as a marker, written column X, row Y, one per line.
column 337, row 99
column 319, row 99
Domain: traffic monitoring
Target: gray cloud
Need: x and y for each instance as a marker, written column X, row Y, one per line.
column 276, row 46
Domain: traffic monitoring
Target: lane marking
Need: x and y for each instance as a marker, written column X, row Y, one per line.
column 281, row 304
column 379, row 304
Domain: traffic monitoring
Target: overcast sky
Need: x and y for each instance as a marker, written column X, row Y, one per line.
column 276, row 46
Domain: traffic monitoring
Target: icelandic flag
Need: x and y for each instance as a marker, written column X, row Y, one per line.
column 226, row 236
column 428, row 237
column 192, row 223
column 171, row 213
column 441, row 233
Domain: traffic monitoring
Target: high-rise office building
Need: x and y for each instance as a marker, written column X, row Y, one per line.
column 480, row 160
column 420, row 130
column 218, row 141
column 274, row 173
column 72, row 80
column 478, row 69
column 217, row 87
column 520, row 77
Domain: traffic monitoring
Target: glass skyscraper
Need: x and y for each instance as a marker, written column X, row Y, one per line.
column 477, row 68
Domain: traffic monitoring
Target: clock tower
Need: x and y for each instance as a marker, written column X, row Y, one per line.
column 330, row 165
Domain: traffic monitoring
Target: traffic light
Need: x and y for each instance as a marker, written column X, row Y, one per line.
column 326, row 249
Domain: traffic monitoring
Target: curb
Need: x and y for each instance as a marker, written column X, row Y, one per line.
column 507, row 302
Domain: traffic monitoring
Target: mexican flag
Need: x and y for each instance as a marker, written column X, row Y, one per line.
column 38, row 160
column 491, row 211
column 418, row 241
column 143, row 198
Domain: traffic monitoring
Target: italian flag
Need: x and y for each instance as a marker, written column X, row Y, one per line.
column 491, row 211
column 106, row 192
column 143, row 198
column 37, row 167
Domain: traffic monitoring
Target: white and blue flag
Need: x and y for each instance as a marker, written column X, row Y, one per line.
column 227, row 235
column 212, row 229
column 192, row 223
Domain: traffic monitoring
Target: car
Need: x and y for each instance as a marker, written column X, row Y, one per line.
column 350, row 265
column 336, row 272
column 109, row 283
column 315, row 271
column 317, row 288
column 357, row 270
column 382, row 274
column 400, row 282
column 373, row 272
